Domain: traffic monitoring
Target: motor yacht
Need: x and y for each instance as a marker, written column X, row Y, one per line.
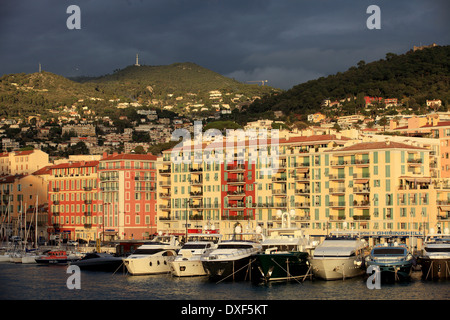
column 232, row 258
column 394, row 261
column 187, row 263
column 99, row 261
column 435, row 258
column 339, row 256
column 284, row 255
column 153, row 257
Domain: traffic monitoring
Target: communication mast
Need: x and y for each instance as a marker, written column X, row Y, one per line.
column 261, row 81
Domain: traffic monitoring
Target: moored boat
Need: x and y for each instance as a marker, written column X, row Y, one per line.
column 96, row 261
column 394, row 261
column 187, row 263
column 232, row 258
column 284, row 255
column 339, row 256
column 153, row 257
column 56, row 257
column 435, row 258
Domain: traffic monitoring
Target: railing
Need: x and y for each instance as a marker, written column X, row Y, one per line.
column 237, row 217
column 337, row 204
column 337, row 190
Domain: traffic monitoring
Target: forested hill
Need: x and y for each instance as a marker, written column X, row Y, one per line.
column 36, row 93
column 412, row 78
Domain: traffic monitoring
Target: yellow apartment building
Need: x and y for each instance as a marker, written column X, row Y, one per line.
column 381, row 189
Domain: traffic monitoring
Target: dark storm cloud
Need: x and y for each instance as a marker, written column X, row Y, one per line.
column 284, row 41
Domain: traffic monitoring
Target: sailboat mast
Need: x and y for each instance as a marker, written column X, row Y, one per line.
column 36, row 222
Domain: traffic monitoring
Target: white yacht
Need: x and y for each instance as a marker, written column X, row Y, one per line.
column 435, row 258
column 187, row 263
column 232, row 258
column 339, row 256
column 153, row 257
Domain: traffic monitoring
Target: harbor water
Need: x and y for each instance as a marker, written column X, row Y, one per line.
column 50, row 282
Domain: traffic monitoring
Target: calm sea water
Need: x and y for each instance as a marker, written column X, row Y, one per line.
column 42, row 282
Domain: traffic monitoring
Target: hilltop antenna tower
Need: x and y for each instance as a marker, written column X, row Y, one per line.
column 39, row 67
column 137, row 60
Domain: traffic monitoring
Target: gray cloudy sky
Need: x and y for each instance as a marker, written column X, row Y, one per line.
column 286, row 42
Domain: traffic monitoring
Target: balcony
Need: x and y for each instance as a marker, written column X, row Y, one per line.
column 196, row 182
column 337, row 204
column 302, row 204
column 236, row 193
column 237, row 217
column 302, row 177
column 364, row 203
column 88, row 201
column 414, row 162
column 88, row 213
column 336, row 176
column 279, row 192
column 362, row 162
column 337, row 190
column 361, row 175
column 361, row 218
column 302, row 191
column 361, row 190
column 238, row 167
column 236, row 180
column 164, row 195
column 196, row 194
column 337, row 217
column 88, row 225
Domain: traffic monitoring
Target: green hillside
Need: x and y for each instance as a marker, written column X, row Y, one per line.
column 25, row 94
column 412, row 78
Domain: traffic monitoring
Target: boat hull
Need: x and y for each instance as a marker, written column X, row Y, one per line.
column 52, row 261
column 99, row 264
column 280, row 266
column 392, row 272
column 29, row 259
column 187, row 268
column 230, row 270
column 435, row 268
column 5, row 258
column 335, row 268
column 148, row 265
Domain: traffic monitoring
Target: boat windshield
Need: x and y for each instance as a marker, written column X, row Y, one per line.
column 147, row 251
column 196, row 246
column 428, row 249
column 389, row 251
column 235, row 246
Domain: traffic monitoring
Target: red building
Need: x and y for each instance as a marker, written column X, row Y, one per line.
column 75, row 210
column 127, row 185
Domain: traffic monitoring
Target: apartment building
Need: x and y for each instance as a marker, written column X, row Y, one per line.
column 127, row 185
column 324, row 182
column 19, row 195
column 22, row 162
column 75, row 209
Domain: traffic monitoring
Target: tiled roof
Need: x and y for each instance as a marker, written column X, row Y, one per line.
column 378, row 145
column 130, row 156
column 78, row 164
column 44, row 170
